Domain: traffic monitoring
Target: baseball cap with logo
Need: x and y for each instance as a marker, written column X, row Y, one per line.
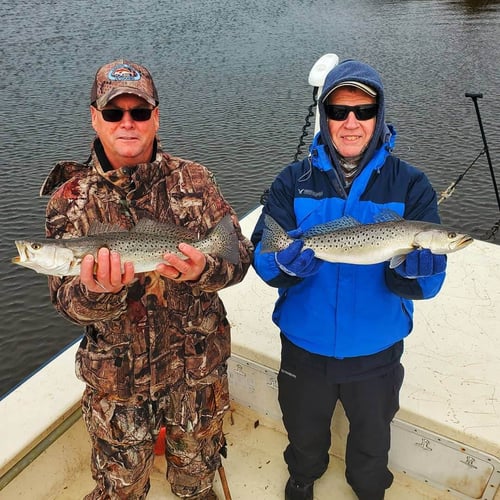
column 122, row 77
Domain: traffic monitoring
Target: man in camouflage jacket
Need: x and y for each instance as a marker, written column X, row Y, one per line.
column 156, row 343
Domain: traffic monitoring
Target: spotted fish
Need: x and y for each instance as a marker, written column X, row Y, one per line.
column 144, row 245
column 346, row 240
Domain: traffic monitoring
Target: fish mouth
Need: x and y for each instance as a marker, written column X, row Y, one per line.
column 466, row 240
column 23, row 256
column 461, row 243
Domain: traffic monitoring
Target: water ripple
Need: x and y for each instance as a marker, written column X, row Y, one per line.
column 232, row 79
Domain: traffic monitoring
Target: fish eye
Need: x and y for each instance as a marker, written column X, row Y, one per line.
column 36, row 246
column 452, row 234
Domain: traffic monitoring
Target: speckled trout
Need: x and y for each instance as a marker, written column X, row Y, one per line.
column 348, row 241
column 144, row 245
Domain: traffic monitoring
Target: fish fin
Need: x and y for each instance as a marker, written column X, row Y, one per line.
column 334, row 225
column 225, row 233
column 274, row 237
column 98, row 228
column 153, row 227
column 387, row 215
column 397, row 260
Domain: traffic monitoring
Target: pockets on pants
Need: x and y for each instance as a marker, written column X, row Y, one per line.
column 106, row 368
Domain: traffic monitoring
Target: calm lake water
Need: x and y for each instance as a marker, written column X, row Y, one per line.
column 232, row 79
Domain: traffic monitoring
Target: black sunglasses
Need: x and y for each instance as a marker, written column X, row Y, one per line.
column 116, row 114
column 362, row 112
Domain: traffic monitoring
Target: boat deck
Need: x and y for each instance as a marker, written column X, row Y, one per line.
column 254, row 469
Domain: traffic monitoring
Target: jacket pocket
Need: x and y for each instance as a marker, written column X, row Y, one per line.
column 204, row 353
column 199, row 407
column 106, row 368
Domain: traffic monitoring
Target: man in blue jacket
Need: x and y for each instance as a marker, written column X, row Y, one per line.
column 342, row 325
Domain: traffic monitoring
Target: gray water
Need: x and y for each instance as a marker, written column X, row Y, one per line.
column 232, row 79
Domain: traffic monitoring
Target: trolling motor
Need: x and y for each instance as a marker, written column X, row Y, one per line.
column 316, row 79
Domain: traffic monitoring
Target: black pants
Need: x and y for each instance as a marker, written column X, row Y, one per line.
column 308, row 394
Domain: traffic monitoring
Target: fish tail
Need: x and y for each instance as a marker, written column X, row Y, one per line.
column 274, row 237
column 225, row 241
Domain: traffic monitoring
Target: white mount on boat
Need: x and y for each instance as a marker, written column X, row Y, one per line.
column 445, row 438
column 317, row 76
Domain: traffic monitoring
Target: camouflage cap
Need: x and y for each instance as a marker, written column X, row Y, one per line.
column 122, row 77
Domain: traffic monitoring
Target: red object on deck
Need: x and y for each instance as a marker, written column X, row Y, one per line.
column 159, row 447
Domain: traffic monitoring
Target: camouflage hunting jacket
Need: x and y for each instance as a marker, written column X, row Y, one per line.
column 155, row 332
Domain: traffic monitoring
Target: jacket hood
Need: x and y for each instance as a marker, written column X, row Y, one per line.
column 353, row 71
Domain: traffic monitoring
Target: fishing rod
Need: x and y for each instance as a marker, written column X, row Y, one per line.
column 451, row 188
column 474, row 98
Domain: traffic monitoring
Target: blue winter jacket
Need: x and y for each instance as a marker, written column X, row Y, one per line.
column 347, row 310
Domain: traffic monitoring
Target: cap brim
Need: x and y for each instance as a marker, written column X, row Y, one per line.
column 104, row 99
column 361, row 86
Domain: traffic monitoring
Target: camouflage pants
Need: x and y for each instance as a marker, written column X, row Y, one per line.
column 123, row 434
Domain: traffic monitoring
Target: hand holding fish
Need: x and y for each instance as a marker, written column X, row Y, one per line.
column 295, row 262
column 180, row 269
column 108, row 277
column 421, row 263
